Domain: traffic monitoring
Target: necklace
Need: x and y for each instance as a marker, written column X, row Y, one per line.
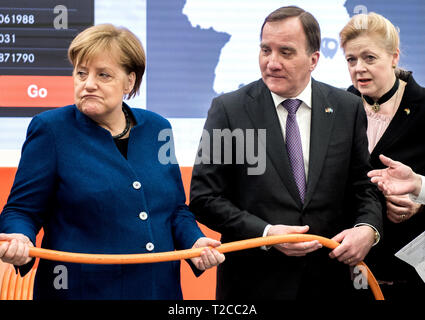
column 127, row 125
column 376, row 105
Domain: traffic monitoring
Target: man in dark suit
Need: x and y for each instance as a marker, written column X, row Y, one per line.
column 315, row 179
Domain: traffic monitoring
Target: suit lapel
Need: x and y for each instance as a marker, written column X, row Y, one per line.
column 322, row 118
column 263, row 115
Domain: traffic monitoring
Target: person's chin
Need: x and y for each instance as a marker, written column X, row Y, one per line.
column 276, row 85
column 366, row 91
column 366, row 88
column 90, row 109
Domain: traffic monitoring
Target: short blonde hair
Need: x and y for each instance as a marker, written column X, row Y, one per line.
column 371, row 24
column 107, row 38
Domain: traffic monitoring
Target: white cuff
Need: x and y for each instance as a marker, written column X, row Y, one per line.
column 377, row 235
column 266, row 230
column 421, row 197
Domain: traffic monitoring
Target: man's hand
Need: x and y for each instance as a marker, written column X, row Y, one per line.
column 293, row 249
column 355, row 244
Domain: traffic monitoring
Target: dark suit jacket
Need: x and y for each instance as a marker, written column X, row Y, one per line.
column 73, row 181
column 402, row 141
column 239, row 206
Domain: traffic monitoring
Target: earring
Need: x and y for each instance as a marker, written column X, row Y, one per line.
column 394, row 66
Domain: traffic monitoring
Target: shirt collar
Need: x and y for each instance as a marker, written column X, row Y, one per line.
column 304, row 96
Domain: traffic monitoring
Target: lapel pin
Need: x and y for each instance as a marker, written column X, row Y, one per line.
column 329, row 110
column 407, row 110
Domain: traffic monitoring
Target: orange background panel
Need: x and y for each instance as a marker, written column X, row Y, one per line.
column 201, row 288
column 60, row 91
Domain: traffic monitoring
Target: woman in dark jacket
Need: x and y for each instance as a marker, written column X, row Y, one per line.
column 395, row 108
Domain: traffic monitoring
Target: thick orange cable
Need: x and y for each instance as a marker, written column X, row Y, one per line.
column 192, row 253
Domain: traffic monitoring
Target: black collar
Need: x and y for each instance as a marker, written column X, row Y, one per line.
column 387, row 96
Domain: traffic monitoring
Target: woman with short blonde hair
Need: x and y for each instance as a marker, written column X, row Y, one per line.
column 90, row 176
column 108, row 38
column 395, row 107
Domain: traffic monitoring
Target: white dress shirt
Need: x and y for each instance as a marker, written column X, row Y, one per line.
column 421, row 197
column 303, row 119
column 304, row 124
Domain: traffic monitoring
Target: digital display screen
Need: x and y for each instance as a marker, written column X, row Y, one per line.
column 34, row 39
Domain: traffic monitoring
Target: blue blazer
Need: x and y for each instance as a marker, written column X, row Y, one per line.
column 73, row 181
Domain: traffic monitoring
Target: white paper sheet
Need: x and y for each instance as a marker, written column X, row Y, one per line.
column 414, row 254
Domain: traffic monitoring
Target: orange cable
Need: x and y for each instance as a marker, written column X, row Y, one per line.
column 192, row 253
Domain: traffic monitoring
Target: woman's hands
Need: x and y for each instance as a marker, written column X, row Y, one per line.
column 15, row 248
column 210, row 257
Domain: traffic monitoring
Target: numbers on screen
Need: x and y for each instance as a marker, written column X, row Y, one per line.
column 16, row 18
column 18, row 57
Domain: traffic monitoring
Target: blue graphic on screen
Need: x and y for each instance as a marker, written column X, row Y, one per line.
column 182, row 58
column 329, row 47
column 180, row 61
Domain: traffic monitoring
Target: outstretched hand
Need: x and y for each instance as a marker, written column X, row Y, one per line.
column 396, row 179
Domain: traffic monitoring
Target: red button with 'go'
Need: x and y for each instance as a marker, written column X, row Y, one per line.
column 36, row 91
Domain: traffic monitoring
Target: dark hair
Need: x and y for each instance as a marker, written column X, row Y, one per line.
column 310, row 25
